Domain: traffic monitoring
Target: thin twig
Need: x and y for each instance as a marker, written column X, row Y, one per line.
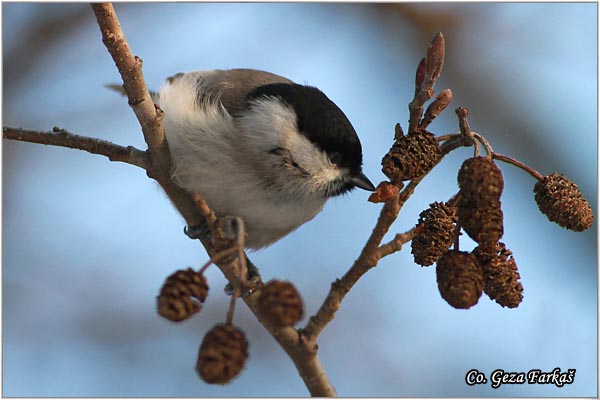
column 241, row 241
column 148, row 115
column 463, row 123
column 443, row 138
column 456, row 240
column 62, row 138
column 436, row 108
column 208, row 214
column 396, row 244
column 519, row 164
column 370, row 255
column 486, row 144
column 231, row 309
column 216, row 258
column 367, row 259
column 130, row 68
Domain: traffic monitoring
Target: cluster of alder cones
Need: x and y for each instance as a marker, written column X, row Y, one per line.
column 462, row 276
column 490, row 268
column 224, row 349
column 476, row 208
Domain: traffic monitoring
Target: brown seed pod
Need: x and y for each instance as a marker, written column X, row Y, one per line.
column 500, row 275
column 435, row 233
column 280, row 303
column 480, row 180
column 562, row 202
column 483, row 222
column 411, row 156
column 222, row 355
column 181, row 295
column 459, row 278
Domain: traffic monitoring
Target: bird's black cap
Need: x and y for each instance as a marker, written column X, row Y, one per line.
column 320, row 120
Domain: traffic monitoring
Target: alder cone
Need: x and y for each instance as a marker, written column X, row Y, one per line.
column 500, row 275
column 435, row 233
column 459, row 278
column 222, row 355
column 480, row 180
column 280, row 303
column 562, row 202
column 484, row 223
column 181, row 295
column 411, row 156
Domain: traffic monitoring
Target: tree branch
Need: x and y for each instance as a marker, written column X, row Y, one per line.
column 372, row 252
column 302, row 352
column 367, row 259
column 300, row 345
column 62, row 138
column 395, row 244
column 148, row 115
column 130, row 68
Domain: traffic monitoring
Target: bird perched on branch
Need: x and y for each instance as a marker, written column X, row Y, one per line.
column 259, row 146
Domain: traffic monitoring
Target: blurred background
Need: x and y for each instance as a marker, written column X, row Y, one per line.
column 87, row 243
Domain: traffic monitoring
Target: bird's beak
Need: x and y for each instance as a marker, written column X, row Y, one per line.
column 360, row 180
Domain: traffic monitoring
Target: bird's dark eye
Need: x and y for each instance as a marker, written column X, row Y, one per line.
column 335, row 157
column 286, row 158
column 278, row 151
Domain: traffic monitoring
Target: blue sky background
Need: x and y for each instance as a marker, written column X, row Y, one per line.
column 87, row 243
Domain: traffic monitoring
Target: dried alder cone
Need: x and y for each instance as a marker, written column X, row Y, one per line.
column 480, row 180
column 482, row 222
column 435, row 233
column 479, row 209
column 562, row 202
column 222, row 355
column 181, row 295
column 411, row 156
column 500, row 275
column 280, row 303
column 459, row 278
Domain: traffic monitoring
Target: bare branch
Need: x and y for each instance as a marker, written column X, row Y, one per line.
column 301, row 351
column 130, row 68
column 62, row 138
column 463, row 123
column 368, row 259
column 396, row 244
column 149, row 116
column 371, row 253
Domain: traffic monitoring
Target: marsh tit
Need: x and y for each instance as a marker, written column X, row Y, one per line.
column 259, row 146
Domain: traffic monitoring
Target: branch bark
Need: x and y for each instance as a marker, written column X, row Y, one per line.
column 62, row 138
column 373, row 251
column 299, row 344
column 302, row 352
column 148, row 115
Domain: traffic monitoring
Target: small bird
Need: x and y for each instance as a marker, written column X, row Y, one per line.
column 258, row 146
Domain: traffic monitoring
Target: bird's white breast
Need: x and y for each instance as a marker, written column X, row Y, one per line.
column 215, row 157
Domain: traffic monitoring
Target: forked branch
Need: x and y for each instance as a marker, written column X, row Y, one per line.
column 302, row 353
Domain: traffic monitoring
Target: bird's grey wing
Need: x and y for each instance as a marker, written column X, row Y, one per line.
column 231, row 86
